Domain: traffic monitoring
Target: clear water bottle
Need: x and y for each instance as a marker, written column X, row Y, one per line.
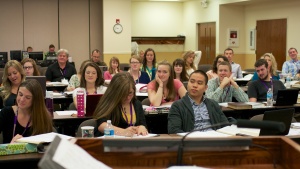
column 270, row 98
column 288, row 82
column 49, row 102
column 80, row 103
column 109, row 130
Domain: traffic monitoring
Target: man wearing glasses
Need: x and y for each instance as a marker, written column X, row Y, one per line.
column 95, row 57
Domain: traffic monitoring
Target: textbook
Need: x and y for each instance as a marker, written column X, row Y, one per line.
column 245, row 105
column 17, row 148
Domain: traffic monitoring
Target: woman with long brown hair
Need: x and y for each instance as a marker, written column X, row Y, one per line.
column 114, row 68
column 179, row 70
column 119, row 104
column 30, row 67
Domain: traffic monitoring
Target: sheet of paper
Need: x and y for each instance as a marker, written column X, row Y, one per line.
column 70, row 155
column 223, row 104
column 67, row 112
column 41, row 138
column 186, row 167
column 294, row 131
column 134, row 136
column 141, row 94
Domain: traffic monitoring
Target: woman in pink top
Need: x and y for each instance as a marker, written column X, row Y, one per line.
column 113, row 68
column 164, row 89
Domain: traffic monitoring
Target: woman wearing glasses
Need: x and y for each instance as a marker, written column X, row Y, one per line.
column 30, row 67
column 138, row 76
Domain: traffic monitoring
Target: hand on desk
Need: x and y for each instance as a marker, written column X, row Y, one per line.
column 141, row 130
column 18, row 136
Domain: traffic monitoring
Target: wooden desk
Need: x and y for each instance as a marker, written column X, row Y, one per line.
column 285, row 151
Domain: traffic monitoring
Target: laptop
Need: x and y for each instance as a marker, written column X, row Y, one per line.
column 103, row 69
column 41, row 80
column 92, row 101
column 281, row 115
column 287, row 97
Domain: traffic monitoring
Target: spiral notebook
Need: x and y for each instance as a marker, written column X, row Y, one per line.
column 92, row 101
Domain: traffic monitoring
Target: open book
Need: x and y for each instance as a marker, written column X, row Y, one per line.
column 42, row 138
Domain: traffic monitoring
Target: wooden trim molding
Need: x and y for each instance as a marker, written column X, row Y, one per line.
column 159, row 40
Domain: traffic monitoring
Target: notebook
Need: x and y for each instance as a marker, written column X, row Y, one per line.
column 287, row 97
column 41, row 80
column 281, row 115
column 92, row 101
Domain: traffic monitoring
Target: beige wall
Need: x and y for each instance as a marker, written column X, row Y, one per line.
column 42, row 24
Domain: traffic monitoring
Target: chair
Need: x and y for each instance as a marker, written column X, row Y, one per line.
column 146, row 102
column 261, row 116
column 89, row 122
column 205, row 67
column 43, row 70
column 185, row 84
column 124, row 66
column 72, row 106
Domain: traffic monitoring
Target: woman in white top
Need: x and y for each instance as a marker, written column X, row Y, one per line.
column 91, row 81
column 191, row 59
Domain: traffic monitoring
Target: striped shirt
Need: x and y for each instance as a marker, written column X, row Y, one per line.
column 291, row 66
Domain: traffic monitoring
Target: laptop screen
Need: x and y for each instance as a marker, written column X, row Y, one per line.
column 92, row 101
column 287, row 97
column 282, row 115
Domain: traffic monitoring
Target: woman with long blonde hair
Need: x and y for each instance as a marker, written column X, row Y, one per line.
column 13, row 76
column 191, row 59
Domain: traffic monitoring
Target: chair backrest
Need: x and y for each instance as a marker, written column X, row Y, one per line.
column 72, row 106
column 146, row 102
column 261, row 116
column 43, row 70
column 89, row 122
column 205, row 67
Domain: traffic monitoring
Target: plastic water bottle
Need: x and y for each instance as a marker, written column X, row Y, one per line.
column 109, row 130
column 49, row 102
column 80, row 103
column 270, row 98
column 288, row 82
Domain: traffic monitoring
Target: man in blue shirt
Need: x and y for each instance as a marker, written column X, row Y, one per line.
column 235, row 68
column 292, row 66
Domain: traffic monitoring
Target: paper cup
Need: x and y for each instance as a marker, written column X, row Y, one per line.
column 87, row 131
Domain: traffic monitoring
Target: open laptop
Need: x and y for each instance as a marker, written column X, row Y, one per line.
column 287, row 97
column 41, row 80
column 92, row 101
column 281, row 115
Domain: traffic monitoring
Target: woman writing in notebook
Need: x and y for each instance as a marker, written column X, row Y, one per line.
column 28, row 117
column 138, row 76
column 13, row 76
column 165, row 89
column 91, row 82
column 113, row 68
column 149, row 63
column 30, row 67
column 120, row 105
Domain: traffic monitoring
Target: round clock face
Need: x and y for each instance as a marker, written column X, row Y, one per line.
column 118, row 28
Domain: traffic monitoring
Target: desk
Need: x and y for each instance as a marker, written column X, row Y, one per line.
column 67, row 124
column 64, row 101
column 285, row 151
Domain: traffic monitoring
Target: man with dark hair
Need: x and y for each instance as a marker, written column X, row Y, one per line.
column 292, row 66
column 236, row 68
column 95, row 57
column 50, row 56
column 224, row 88
column 194, row 111
column 29, row 49
column 257, row 90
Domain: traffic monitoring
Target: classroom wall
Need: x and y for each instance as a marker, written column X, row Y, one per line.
column 74, row 25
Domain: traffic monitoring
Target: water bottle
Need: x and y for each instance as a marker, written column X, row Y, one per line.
column 270, row 98
column 288, row 82
column 49, row 102
column 80, row 103
column 109, row 130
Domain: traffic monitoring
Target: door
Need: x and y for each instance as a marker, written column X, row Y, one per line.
column 207, row 42
column 271, row 38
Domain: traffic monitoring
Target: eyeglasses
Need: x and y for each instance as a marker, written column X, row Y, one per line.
column 134, row 62
column 28, row 67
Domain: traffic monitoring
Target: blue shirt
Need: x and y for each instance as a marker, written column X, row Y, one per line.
column 201, row 115
column 291, row 66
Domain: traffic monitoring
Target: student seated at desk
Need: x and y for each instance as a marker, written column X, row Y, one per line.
column 30, row 67
column 272, row 67
column 114, row 68
column 223, row 88
column 119, row 104
column 138, row 76
column 194, row 111
column 165, row 89
column 257, row 90
column 91, row 83
column 74, row 82
column 214, row 72
column 28, row 117
column 13, row 76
